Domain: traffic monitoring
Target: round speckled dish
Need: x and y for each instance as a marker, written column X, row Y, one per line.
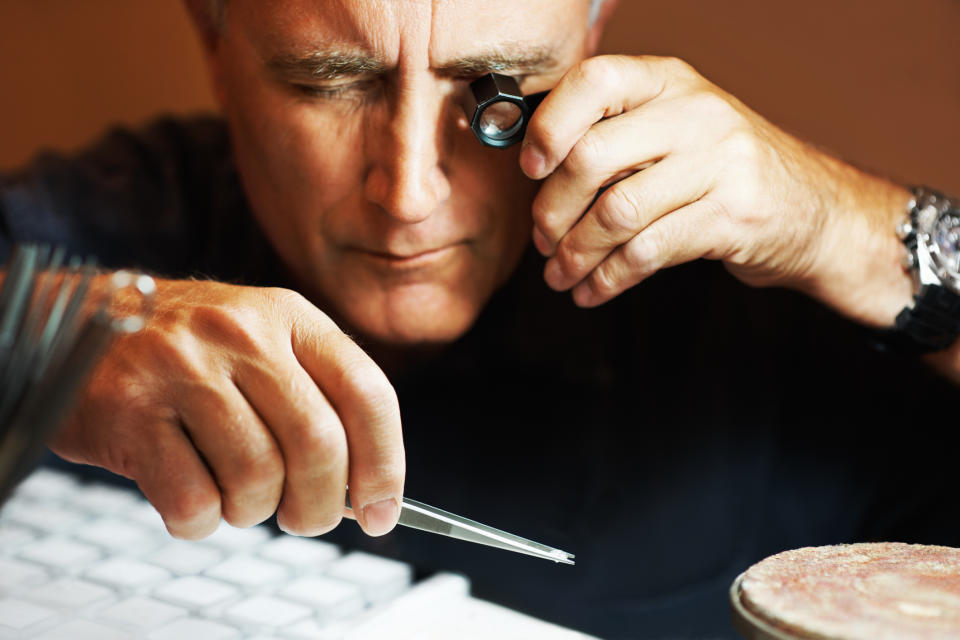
column 750, row 626
column 865, row 591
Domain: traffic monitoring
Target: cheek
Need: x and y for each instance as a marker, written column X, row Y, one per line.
column 297, row 149
column 493, row 177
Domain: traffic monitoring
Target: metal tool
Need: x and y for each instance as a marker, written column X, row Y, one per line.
column 418, row 515
column 49, row 345
column 497, row 111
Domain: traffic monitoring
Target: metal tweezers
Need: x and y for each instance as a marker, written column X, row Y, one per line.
column 418, row 515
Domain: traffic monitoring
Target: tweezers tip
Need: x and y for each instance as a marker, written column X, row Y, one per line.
column 562, row 556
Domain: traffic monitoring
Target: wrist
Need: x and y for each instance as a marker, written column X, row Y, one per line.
column 929, row 232
column 860, row 260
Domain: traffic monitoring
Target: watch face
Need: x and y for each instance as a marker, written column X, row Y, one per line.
column 946, row 236
column 939, row 234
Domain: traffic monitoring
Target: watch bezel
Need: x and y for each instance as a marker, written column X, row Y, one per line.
column 928, row 250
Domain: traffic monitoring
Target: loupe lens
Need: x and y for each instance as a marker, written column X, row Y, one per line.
column 501, row 120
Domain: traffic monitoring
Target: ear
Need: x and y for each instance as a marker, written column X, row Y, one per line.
column 596, row 29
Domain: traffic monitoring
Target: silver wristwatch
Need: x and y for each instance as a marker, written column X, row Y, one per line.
column 931, row 233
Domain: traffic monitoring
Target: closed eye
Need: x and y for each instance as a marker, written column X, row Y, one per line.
column 351, row 90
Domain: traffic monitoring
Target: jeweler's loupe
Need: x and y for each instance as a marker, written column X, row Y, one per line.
column 497, row 111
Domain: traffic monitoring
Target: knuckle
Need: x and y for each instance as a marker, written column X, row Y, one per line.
column 383, row 476
column 172, row 352
column 253, row 468
column 604, row 281
column 301, row 523
column 370, row 383
column 293, row 308
column 600, row 72
column 678, row 66
column 571, row 261
column 285, row 298
column 742, row 146
column 645, row 254
column 235, row 326
column 543, row 217
column 188, row 511
column 619, row 209
column 711, row 107
column 547, row 133
column 319, row 448
column 586, row 155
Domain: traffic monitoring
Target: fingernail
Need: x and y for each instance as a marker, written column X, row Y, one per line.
column 380, row 517
column 532, row 161
column 541, row 243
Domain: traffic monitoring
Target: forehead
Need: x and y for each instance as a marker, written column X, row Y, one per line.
column 429, row 31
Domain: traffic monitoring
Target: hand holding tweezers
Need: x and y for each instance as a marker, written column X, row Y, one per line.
column 418, row 515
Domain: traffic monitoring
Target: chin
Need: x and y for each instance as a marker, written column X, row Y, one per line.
column 420, row 314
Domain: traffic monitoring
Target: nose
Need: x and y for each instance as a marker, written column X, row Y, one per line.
column 406, row 178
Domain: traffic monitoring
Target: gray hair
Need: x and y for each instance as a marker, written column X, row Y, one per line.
column 217, row 8
column 595, row 6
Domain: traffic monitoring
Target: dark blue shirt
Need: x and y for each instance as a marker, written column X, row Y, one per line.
column 669, row 438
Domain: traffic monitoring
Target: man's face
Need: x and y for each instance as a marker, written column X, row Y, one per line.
column 357, row 159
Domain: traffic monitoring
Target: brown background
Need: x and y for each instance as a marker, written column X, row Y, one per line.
column 878, row 82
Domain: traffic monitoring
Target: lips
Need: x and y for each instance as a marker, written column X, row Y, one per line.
column 411, row 259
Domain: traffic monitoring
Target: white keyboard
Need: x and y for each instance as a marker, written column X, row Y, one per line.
column 85, row 561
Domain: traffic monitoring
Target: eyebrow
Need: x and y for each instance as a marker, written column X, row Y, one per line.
column 511, row 57
column 325, row 65
column 334, row 64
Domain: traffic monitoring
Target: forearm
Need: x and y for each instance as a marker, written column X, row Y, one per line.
column 870, row 285
column 859, row 263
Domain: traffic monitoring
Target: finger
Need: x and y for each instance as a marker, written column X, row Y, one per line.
column 240, row 451
column 311, row 438
column 595, row 88
column 610, row 150
column 694, row 231
column 188, row 503
column 623, row 211
column 368, row 408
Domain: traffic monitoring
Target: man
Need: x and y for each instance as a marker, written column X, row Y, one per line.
column 669, row 437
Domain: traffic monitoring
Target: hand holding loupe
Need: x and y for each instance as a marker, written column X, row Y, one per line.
column 496, row 110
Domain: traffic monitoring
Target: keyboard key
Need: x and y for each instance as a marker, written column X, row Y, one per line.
column 141, row 612
column 18, row 615
column 329, row 598
column 84, row 630
column 60, row 554
column 143, row 513
column 195, row 592
column 102, row 499
column 124, row 574
column 183, row 557
column 302, row 554
column 378, row 578
column 310, row 629
column 265, row 611
column 190, row 628
column 49, row 518
column 440, row 608
column 47, row 484
column 69, row 593
column 114, row 534
column 424, row 612
column 13, row 536
column 230, row 538
column 248, row 571
column 16, row 575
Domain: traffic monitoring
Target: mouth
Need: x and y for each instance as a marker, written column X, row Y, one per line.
column 412, row 260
